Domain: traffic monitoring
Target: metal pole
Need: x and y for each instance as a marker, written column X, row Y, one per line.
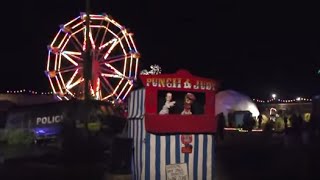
column 88, row 61
column 87, row 75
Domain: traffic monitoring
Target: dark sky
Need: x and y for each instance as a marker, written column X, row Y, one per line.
column 256, row 47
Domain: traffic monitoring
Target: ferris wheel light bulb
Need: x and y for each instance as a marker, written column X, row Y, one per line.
column 108, row 17
column 136, row 55
column 83, row 15
column 65, row 29
column 52, row 74
column 61, row 26
column 54, row 50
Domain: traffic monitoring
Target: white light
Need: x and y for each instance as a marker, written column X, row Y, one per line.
column 274, row 96
column 298, row 99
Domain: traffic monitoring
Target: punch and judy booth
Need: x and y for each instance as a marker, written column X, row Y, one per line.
column 172, row 123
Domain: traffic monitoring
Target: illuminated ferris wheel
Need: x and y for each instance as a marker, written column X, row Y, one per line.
column 114, row 59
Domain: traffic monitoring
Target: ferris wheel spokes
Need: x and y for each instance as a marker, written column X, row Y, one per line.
column 114, row 59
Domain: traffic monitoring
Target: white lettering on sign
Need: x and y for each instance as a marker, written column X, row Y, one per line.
column 49, row 119
column 164, row 82
column 181, row 83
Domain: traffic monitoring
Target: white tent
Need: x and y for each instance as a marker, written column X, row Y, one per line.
column 230, row 100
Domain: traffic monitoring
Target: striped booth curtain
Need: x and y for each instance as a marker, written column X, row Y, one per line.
column 153, row 152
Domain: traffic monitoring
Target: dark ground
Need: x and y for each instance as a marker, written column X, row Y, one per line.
column 264, row 156
column 239, row 156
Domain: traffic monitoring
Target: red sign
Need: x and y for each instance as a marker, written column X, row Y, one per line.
column 187, row 149
column 179, row 103
column 186, row 139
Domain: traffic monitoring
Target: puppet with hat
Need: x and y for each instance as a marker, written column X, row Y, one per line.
column 188, row 100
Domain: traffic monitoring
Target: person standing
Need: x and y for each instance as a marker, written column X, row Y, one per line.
column 259, row 121
column 221, row 125
column 285, row 119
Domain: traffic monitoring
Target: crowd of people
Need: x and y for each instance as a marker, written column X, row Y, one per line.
column 291, row 126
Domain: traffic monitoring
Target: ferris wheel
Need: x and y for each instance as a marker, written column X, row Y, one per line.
column 114, row 59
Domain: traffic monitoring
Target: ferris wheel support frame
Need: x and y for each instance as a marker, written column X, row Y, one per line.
column 88, row 61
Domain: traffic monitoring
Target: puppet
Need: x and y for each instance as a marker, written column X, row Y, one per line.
column 168, row 104
column 188, row 101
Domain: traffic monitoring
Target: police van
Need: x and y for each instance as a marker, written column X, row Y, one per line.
column 51, row 121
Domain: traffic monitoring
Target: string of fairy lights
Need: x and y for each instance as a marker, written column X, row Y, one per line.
column 24, row 91
column 273, row 100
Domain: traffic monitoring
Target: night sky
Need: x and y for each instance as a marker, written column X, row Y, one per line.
column 254, row 47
